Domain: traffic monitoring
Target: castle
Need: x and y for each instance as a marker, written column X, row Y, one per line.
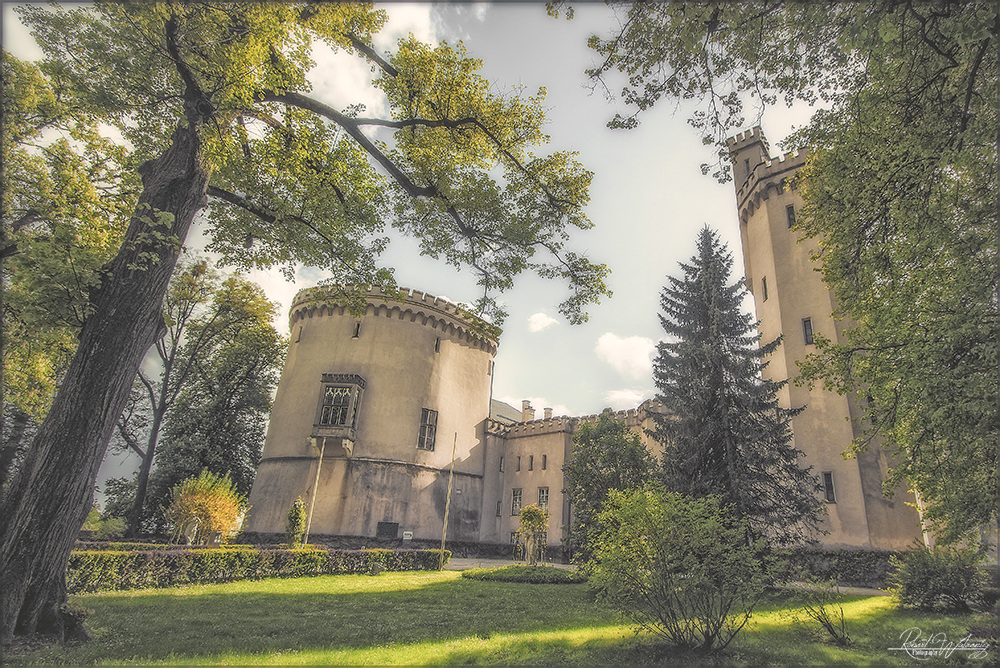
column 384, row 423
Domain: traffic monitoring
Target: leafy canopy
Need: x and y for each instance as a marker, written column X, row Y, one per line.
column 296, row 180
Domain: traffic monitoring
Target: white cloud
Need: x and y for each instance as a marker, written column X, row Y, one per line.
column 631, row 356
column 540, row 321
column 624, row 399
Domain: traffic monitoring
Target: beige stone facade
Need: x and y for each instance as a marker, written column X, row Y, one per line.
column 369, row 411
column 791, row 300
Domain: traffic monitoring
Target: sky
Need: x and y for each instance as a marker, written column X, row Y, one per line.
column 649, row 199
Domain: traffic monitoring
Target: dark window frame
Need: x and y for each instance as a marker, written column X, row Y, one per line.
column 427, row 435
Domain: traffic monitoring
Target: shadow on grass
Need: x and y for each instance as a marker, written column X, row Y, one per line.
column 343, row 613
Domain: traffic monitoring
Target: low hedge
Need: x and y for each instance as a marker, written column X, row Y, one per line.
column 131, row 547
column 857, row 568
column 108, row 570
column 526, row 575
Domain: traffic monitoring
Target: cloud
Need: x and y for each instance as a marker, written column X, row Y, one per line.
column 623, row 399
column 540, row 321
column 631, row 356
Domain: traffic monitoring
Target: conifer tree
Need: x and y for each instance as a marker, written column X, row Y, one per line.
column 724, row 433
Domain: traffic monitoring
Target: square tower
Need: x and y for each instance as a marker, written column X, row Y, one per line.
column 791, row 299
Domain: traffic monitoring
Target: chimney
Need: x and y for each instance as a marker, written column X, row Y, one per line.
column 548, row 413
column 527, row 412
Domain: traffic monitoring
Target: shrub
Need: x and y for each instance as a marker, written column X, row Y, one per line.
column 822, row 603
column 204, row 505
column 678, row 567
column 944, row 577
column 857, row 568
column 526, row 575
column 295, row 526
column 110, row 527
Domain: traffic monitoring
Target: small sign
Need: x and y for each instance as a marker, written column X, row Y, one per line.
column 407, row 535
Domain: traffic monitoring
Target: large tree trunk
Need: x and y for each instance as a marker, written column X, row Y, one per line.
column 53, row 489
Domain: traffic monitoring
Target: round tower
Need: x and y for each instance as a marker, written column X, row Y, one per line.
column 368, row 412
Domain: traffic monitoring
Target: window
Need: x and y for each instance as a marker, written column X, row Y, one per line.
column 428, row 428
column 763, row 285
column 807, row 331
column 499, row 507
column 790, row 211
column 746, row 167
column 501, row 464
column 543, row 497
column 340, row 397
column 531, row 462
column 357, row 330
column 518, row 468
column 545, row 462
column 831, row 496
column 336, row 406
column 515, row 502
column 437, row 345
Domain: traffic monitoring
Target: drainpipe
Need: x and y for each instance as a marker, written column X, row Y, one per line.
column 312, row 501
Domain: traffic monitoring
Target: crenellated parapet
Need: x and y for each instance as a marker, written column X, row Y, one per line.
column 633, row 418
column 408, row 305
column 769, row 177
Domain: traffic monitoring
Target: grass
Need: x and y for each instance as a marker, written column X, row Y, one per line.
column 441, row 618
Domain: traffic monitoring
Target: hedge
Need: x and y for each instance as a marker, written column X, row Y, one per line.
column 130, row 547
column 526, row 575
column 858, row 568
column 109, row 570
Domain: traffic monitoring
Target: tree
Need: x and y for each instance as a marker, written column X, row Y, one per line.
column 219, row 420
column 64, row 188
column 678, row 566
column 723, row 431
column 214, row 100
column 606, row 456
column 901, row 194
column 202, row 320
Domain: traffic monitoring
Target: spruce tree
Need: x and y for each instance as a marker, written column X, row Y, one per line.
column 724, row 433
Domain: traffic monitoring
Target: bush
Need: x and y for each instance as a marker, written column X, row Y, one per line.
column 526, row 575
column 107, row 570
column 205, row 505
column 295, row 525
column 678, row 567
column 945, row 577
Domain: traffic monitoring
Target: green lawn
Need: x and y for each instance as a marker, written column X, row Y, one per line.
column 441, row 618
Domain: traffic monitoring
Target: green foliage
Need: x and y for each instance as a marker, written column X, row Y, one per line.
column 64, row 206
column 678, row 567
column 606, row 456
column 204, row 505
column 821, row 602
column 526, row 575
column 109, row 570
column 943, row 577
column 110, row 527
column 724, row 432
column 295, row 523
